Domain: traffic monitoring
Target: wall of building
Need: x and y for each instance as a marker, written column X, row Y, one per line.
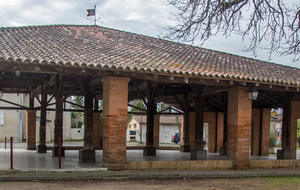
column 49, row 130
column 14, row 120
column 165, row 131
column 77, row 133
column 10, row 127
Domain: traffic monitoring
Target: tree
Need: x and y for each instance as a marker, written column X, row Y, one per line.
column 275, row 21
column 138, row 104
column 77, row 117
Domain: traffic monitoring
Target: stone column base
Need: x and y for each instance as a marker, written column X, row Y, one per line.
column 284, row 154
column 41, row 149
column 55, row 151
column 87, row 156
column 223, row 151
column 149, row 151
column 185, row 148
column 198, row 154
column 115, row 167
column 32, row 147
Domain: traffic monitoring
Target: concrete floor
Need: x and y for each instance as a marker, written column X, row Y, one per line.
column 30, row 160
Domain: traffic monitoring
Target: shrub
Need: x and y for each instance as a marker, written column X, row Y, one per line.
column 298, row 140
column 80, row 123
column 272, row 142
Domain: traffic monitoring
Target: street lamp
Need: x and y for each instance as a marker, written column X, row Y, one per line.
column 252, row 93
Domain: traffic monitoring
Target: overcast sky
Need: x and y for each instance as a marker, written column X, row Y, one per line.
column 147, row 17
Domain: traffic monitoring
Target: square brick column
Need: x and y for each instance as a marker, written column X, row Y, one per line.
column 295, row 115
column 256, row 132
column 239, row 125
column 96, row 130
column 31, row 129
column 265, row 132
column 115, row 101
column 220, row 129
column 260, row 132
column 192, row 130
column 211, row 119
column 291, row 112
column 156, row 131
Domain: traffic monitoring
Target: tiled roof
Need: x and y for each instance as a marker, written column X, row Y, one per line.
column 95, row 46
column 162, row 119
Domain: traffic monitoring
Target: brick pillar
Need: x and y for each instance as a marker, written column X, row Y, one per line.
column 291, row 112
column 260, row 132
column 255, row 132
column 192, row 130
column 239, row 125
column 31, row 129
column 96, row 130
column 220, row 128
column 295, row 115
column 156, row 131
column 115, row 101
column 265, row 132
column 211, row 119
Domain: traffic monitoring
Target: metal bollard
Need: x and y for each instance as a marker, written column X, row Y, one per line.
column 59, row 152
column 5, row 143
column 11, row 153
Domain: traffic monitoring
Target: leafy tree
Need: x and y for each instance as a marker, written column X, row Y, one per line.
column 138, row 104
column 77, row 117
column 275, row 21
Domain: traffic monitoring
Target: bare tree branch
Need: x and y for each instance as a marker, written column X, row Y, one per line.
column 274, row 21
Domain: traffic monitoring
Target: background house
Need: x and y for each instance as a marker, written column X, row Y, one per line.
column 276, row 126
column 13, row 122
column 168, row 126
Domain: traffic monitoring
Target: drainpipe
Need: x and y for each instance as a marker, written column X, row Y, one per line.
column 21, row 120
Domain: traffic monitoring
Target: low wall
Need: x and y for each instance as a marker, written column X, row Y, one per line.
column 77, row 133
column 180, row 165
column 266, row 164
column 209, row 165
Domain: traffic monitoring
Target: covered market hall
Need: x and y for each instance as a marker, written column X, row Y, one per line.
column 233, row 94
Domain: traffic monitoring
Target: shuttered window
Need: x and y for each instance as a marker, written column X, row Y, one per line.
column 1, row 117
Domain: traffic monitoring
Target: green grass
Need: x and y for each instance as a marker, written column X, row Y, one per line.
column 282, row 182
column 74, row 140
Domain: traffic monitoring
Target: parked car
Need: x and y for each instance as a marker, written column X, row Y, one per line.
column 176, row 138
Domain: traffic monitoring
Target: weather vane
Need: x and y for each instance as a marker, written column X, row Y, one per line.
column 92, row 12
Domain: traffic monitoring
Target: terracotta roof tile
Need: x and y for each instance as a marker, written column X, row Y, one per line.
column 95, row 46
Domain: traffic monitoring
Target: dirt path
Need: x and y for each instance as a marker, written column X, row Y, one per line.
column 285, row 183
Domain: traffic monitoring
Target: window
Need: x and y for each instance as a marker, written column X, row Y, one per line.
column 134, row 126
column 132, row 135
column 129, row 126
column 166, row 129
column 1, row 117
